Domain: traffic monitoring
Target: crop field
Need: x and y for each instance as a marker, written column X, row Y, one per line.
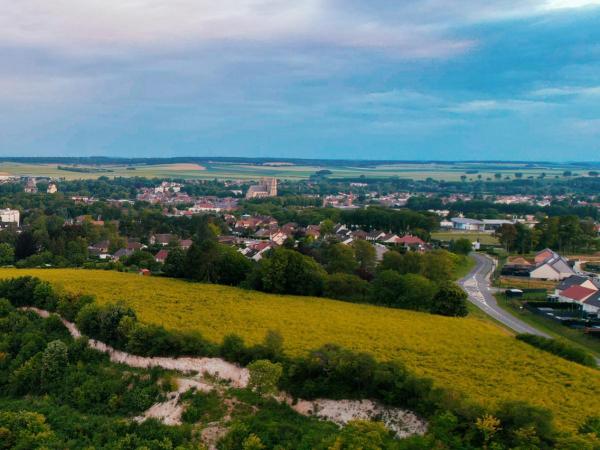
column 472, row 355
column 241, row 171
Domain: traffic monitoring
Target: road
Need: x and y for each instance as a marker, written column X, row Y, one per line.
column 477, row 284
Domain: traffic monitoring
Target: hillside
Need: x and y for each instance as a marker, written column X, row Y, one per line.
column 470, row 355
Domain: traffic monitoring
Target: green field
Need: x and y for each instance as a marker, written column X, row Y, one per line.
column 241, row 171
column 471, row 355
column 447, row 236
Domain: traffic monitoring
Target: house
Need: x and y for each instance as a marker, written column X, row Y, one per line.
column 185, row 243
column 52, row 188
column 279, row 237
column 589, row 299
column 100, row 249
column 162, row 239
column 412, row 242
column 576, row 280
column 122, row 253
column 134, row 245
column 551, row 266
column 161, row 256
column 313, row 230
column 144, row 272
column 375, row 235
column 10, row 216
column 465, row 224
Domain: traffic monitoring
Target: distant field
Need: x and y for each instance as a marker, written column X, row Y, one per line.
column 471, row 355
column 447, row 236
column 222, row 170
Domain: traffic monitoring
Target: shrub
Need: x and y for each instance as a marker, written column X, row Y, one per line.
column 264, row 376
column 343, row 286
column 559, row 348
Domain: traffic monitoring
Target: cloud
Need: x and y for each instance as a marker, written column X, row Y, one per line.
column 110, row 26
column 483, row 106
column 565, row 91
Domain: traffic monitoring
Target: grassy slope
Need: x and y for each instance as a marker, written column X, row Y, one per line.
column 471, row 355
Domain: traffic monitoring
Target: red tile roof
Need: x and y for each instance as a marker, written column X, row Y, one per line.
column 578, row 293
column 410, row 240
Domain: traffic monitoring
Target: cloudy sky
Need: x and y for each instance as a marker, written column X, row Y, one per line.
column 376, row 79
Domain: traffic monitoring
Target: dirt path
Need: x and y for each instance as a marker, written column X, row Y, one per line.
column 402, row 422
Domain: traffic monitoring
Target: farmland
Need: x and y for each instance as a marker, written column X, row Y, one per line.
column 471, row 355
column 296, row 171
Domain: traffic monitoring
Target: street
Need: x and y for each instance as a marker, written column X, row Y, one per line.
column 477, row 284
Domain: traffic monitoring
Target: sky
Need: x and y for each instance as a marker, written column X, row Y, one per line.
column 351, row 79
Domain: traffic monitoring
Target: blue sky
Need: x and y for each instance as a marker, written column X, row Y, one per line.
column 393, row 79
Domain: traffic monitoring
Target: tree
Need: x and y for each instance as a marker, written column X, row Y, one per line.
column 344, row 286
column 253, row 442
column 366, row 258
column 340, row 258
column 362, row 435
column 286, row 271
column 326, row 227
column 438, row 265
column 232, row 267
column 7, row 254
column 264, row 376
column 408, row 291
column 461, row 246
column 54, row 363
column 507, row 235
column 450, row 300
column 25, row 245
column 174, row 265
column 201, row 261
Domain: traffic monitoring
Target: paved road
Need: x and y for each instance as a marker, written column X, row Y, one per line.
column 477, row 284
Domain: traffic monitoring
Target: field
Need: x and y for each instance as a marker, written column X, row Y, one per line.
column 472, row 355
column 526, row 283
column 447, row 236
column 241, row 171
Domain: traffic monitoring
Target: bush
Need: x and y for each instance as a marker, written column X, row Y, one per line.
column 343, row 286
column 559, row 348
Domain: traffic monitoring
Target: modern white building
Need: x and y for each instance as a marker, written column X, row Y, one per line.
column 10, row 216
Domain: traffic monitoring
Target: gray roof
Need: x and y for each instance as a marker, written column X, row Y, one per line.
column 593, row 300
column 573, row 280
column 466, row 220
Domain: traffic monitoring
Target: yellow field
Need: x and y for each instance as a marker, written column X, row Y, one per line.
column 471, row 355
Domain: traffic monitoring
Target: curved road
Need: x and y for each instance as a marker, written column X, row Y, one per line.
column 477, row 284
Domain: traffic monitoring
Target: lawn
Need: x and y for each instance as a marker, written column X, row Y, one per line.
column 447, row 236
column 472, row 355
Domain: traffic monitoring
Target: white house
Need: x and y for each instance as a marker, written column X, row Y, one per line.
column 551, row 266
column 10, row 216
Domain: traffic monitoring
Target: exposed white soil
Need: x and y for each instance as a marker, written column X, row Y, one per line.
column 402, row 422
column 169, row 412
